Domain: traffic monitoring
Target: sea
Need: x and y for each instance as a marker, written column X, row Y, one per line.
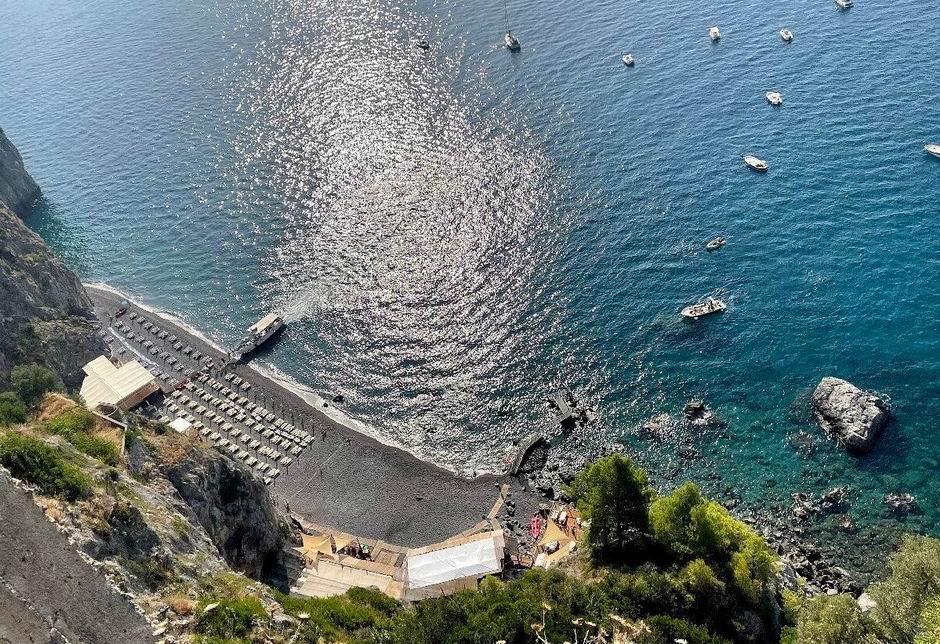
column 454, row 233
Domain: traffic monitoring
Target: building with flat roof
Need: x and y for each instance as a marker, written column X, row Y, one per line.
column 123, row 387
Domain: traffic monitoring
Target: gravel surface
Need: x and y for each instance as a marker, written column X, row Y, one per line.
column 47, row 591
column 346, row 480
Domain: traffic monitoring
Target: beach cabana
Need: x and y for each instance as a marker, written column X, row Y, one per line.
column 123, row 387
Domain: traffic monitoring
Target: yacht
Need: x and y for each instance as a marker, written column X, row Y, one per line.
column 845, row 4
column 786, row 35
column 774, row 98
column 258, row 333
column 755, row 163
column 715, row 244
column 714, row 34
column 706, row 307
column 628, row 60
column 933, row 148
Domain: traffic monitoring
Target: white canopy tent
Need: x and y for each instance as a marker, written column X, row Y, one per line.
column 475, row 558
column 180, row 425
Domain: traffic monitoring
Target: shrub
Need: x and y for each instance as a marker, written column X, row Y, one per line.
column 914, row 580
column 44, row 466
column 666, row 630
column 929, row 632
column 831, row 620
column 754, row 569
column 614, row 494
column 73, row 425
column 32, row 382
column 232, row 619
column 336, row 618
column 686, row 522
column 12, row 409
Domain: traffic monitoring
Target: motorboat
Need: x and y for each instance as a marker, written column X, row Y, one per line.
column 258, row 333
column 845, row 4
column 708, row 306
column 423, row 44
column 933, row 149
column 774, row 98
column 715, row 34
column 715, row 244
column 755, row 163
column 628, row 60
column 786, row 35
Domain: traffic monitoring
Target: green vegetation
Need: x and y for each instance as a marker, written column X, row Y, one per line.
column 74, row 426
column 614, row 494
column 831, row 620
column 232, row 621
column 44, row 466
column 12, row 409
column 912, row 586
column 31, row 382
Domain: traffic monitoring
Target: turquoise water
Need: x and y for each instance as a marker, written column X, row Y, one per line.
column 453, row 234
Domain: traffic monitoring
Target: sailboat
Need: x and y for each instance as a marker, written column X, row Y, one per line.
column 512, row 43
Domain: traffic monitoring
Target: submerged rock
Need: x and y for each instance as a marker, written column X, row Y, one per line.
column 698, row 414
column 850, row 414
column 901, row 502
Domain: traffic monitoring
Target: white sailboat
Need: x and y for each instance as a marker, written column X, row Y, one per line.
column 512, row 43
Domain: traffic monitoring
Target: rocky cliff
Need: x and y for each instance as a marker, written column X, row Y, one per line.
column 17, row 188
column 44, row 311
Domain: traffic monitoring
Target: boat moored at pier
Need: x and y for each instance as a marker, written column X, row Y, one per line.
column 258, row 333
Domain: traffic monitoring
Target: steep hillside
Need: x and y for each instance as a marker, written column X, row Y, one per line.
column 44, row 311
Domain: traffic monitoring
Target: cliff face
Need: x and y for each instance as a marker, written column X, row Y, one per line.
column 17, row 188
column 235, row 510
column 44, row 310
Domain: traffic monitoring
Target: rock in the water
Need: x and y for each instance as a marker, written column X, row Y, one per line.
column 850, row 414
column 901, row 502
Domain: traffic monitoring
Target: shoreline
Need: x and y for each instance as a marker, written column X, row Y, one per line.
column 271, row 372
column 337, row 480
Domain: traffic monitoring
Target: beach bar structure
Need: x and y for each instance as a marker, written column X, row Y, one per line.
column 122, row 387
column 403, row 574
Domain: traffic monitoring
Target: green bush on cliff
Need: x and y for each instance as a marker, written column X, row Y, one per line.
column 44, row 466
column 366, row 613
column 232, row 621
column 12, row 409
column 73, row 425
column 831, row 620
column 614, row 494
column 31, row 382
column 913, row 583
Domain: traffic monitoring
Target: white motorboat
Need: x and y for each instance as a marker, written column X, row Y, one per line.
column 845, row 4
column 715, row 244
column 258, row 333
column 933, row 148
column 628, row 60
column 715, row 34
column 706, row 307
column 774, row 98
column 786, row 35
column 755, row 163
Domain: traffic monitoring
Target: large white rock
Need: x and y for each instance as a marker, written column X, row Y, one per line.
column 850, row 414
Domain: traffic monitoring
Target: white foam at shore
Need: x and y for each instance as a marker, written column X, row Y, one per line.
column 274, row 374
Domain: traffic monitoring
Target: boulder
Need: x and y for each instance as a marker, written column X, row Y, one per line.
column 850, row 414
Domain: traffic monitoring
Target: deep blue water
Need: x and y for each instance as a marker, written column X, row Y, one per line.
column 453, row 234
